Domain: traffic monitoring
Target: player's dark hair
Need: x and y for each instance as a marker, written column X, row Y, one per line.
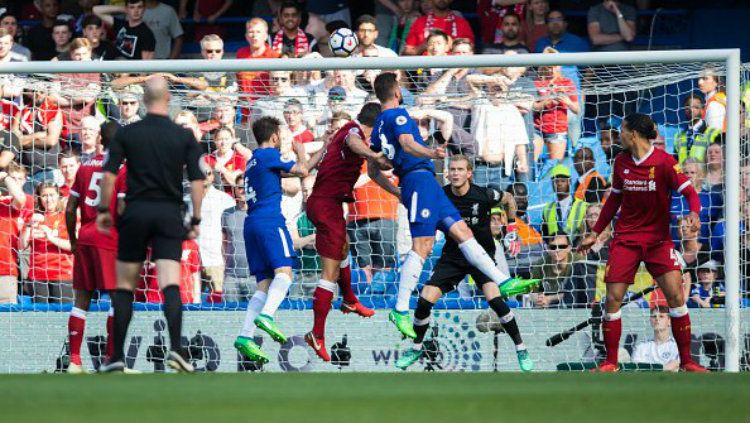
column 642, row 125
column 369, row 114
column 107, row 131
column 693, row 96
column 438, row 33
column 290, row 4
column 385, row 85
column 365, row 19
column 265, row 127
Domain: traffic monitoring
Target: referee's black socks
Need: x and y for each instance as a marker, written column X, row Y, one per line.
column 507, row 318
column 173, row 313
column 122, row 302
column 422, row 319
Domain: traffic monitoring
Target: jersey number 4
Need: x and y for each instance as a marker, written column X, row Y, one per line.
column 96, row 188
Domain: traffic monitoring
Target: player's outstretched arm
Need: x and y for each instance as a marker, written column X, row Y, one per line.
column 411, row 146
column 376, row 174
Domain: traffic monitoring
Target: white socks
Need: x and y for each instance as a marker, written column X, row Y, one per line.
column 410, row 271
column 80, row 313
column 479, row 258
column 327, row 285
column 276, row 293
column 253, row 309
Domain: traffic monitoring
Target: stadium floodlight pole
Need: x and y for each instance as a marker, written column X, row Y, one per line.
column 732, row 213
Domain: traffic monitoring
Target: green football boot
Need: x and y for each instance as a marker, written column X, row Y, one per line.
column 516, row 286
column 267, row 325
column 249, row 349
column 403, row 323
column 409, row 357
column 524, row 361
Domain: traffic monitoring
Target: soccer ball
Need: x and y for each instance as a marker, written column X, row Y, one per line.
column 343, row 42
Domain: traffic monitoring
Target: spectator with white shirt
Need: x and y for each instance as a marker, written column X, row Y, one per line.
column 662, row 349
column 715, row 113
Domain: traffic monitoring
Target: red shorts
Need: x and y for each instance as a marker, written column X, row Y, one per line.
column 330, row 227
column 626, row 256
column 94, row 268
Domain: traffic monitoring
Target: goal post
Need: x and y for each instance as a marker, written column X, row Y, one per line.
column 726, row 60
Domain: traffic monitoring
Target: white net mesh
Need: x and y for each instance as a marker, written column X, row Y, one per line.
column 515, row 124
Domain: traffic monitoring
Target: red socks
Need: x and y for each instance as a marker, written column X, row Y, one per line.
column 322, row 299
column 681, row 334
column 76, row 325
column 612, row 330
column 345, row 285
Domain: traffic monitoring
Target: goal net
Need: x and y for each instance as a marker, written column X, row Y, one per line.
column 546, row 135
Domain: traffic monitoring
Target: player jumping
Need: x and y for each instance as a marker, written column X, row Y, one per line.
column 270, row 254
column 334, row 184
column 95, row 253
column 642, row 183
column 397, row 136
column 474, row 203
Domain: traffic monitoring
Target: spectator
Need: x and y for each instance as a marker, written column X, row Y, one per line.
column 554, row 268
column 609, row 139
column 90, row 137
column 440, row 17
column 291, row 40
column 662, row 349
column 68, row 162
column 709, row 291
column 394, row 20
column 50, row 262
column 294, row 118
column 712, row 203
column 218, row 84
column 61, row 35
column 557, row 95
column 224, row 115
column 210, row 239
column 512, row 37
column 611, row 26
column 566, row 213
column 239, row 284
column 39, row 38
column 372, row 227
column 7, row 55
column 190, row 277
column 715, row 112
column 455, row 139
column 18, row 52
column 309, row 260
column 694, row 251
column 367, row 33
column 536, row 22
column 491, row 13
column 163, row 22
column 129, row 105
column 279, row 91
column 582, row 289
column 715, row 168
column 591, row 185
column 224, row 160
column 530, row 238
column 206, row 13
column 187, row 119
column 134, row 40
column 693, row 141
column 256, row 35
column 15, row 206
column 558, row 36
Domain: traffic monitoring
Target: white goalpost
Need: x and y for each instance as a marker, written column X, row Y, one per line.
column 33, row 335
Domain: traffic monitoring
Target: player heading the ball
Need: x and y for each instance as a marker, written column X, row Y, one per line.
column 642, row 183
column 396, row 135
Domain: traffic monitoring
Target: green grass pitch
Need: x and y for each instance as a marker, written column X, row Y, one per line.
column 381, row 398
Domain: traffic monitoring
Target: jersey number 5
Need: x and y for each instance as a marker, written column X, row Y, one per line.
column 95, row 187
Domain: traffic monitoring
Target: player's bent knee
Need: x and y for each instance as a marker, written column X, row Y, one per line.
column 431, row 293
column 461, row 232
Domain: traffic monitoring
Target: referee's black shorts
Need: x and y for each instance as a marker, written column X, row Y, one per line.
column 155, row 223
column 450, row 271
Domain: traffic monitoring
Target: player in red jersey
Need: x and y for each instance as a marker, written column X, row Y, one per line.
column 94, row 253
column 642, row 183
column 337, row 174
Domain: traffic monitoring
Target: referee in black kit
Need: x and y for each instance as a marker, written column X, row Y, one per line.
column 157, row 151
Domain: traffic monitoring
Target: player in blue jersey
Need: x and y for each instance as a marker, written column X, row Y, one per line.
column 270, row 253
column 397, row 136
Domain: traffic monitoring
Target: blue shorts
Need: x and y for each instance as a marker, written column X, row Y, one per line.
column 427, row 206
column 268, row 247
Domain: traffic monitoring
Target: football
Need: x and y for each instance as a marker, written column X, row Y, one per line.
column 343, row 42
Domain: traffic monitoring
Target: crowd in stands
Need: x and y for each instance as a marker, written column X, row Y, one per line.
column 521, row 128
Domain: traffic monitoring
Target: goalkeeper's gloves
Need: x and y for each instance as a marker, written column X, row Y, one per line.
column 511, row 240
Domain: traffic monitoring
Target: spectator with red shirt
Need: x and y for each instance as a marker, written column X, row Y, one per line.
column 68, row 162
column 440, row 17
column 51, row 262
column 224, row 160
column 491, row 13
column 256, row 34
column 294, row 118
column 291, row 40
column 557, row 95
column 14, row 206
